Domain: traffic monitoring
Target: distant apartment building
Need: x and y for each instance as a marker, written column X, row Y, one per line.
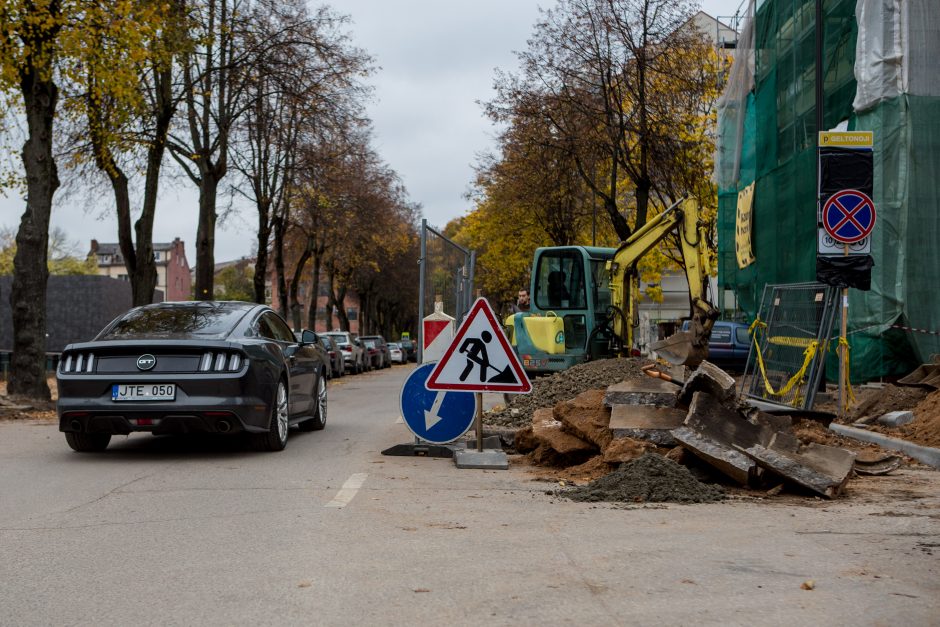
column 173, row 278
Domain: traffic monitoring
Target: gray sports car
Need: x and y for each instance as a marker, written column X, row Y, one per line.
column 192, row 367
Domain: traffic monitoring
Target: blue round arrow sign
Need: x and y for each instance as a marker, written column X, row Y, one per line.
column 434, row 416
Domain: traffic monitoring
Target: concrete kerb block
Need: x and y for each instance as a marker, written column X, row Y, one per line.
column 483, row 460
column 896, row 418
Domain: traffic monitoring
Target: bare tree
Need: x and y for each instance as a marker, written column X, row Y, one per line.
column 593, row 72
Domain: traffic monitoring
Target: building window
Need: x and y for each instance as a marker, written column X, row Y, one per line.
column 323, row 289
column 352, row 314
column 156, row 255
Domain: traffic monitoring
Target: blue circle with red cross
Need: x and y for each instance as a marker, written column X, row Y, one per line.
column 849, row 216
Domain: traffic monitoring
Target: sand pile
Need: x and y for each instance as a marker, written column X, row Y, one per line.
column 925, row 429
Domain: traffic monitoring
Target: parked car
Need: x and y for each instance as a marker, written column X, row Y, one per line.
column 410, row 348
column 380, row 344
column 396, row 353
column 192, row 367
column 354, row 356
column 729, row 345
column 374, row 352
column 337, row 367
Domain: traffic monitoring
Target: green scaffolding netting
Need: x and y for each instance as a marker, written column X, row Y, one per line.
column 767, row 136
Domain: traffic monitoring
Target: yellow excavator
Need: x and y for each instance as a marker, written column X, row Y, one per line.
column 583, row 298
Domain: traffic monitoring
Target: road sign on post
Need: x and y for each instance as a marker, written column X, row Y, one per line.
column 480, row 359
column 848, row 216
column 434, row 416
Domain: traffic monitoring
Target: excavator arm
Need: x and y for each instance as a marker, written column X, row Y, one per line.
column 686, row 347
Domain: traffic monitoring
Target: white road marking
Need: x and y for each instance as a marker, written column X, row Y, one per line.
column 400, row 421
column 348, row 492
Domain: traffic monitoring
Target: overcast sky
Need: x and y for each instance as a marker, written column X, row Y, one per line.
column 436, row 59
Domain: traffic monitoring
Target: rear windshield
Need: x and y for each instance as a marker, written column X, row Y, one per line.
column 370, row 343
column 175, row 322
column 340, row 339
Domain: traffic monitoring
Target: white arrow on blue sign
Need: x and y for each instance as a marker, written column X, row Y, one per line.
column 437, row 417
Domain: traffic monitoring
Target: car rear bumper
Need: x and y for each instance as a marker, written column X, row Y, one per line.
column 218, row 404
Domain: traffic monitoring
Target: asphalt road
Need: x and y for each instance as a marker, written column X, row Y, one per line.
column 181, row 532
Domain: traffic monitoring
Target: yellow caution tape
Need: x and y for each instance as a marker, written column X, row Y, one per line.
column 799, row 342
column 797, row 378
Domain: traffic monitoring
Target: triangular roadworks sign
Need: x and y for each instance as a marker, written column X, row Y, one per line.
column 480, row 358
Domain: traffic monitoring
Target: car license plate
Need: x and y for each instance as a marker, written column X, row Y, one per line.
column 143, row 392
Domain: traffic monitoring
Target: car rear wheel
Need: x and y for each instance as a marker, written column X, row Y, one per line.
column 319, row 411
column 88, row 442
column 276, row 437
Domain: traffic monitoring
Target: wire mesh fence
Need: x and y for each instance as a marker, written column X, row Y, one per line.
column 789, row 343
column 446, row 275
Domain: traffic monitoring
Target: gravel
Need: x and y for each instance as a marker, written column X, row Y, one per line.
column 563, row 386
column 649, row 479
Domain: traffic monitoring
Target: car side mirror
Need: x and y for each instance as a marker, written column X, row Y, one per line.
column 308, row 337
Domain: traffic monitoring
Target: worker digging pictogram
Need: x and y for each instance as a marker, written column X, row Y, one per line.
column 480, row 358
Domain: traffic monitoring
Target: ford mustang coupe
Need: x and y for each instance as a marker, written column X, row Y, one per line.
column 192, row 367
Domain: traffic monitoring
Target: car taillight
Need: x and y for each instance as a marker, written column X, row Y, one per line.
column 220, row 361
column 79, row 362
column 346, row 349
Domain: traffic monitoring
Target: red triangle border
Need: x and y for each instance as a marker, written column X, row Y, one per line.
column 523, row 387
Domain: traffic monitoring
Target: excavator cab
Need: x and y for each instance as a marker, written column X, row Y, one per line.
column 569, row 297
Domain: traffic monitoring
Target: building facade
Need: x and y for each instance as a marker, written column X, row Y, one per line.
column 173, row 276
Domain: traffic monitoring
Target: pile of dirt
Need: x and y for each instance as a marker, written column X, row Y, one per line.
column 649, row 479
column 874, row 402
column 562, row 386
column 925, row 429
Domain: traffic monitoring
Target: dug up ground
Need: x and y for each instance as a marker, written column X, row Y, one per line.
column 562, row 434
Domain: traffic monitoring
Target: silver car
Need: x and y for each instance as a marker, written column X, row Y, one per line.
column 353, row 353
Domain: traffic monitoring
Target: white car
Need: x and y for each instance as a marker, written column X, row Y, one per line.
column 398, row 355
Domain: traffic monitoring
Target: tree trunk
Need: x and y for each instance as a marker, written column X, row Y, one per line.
column 296, row 309
column 30, row 269
column 279, row 228
column 205, row 236
column 264, row 237
column 314, row 294
column 144, row 277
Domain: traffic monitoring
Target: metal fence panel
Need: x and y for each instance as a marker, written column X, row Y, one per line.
column 446, row 274
column 791, row 335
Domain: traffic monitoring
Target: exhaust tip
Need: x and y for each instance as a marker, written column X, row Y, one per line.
column 224, row 426
column 75, row 425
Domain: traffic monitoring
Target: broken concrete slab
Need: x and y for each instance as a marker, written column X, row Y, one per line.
column 896, row 418
column 712, row 431
column 585, row 417
column 645, row 391
column 817, row 467
column 708, row 378
column 646, row 422
column 554, row 446
column 548, row 430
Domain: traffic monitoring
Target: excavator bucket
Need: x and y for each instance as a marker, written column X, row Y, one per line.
column 680, row 349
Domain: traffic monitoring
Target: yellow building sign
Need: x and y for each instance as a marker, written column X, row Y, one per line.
column 846, row 139
column 742, row 230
